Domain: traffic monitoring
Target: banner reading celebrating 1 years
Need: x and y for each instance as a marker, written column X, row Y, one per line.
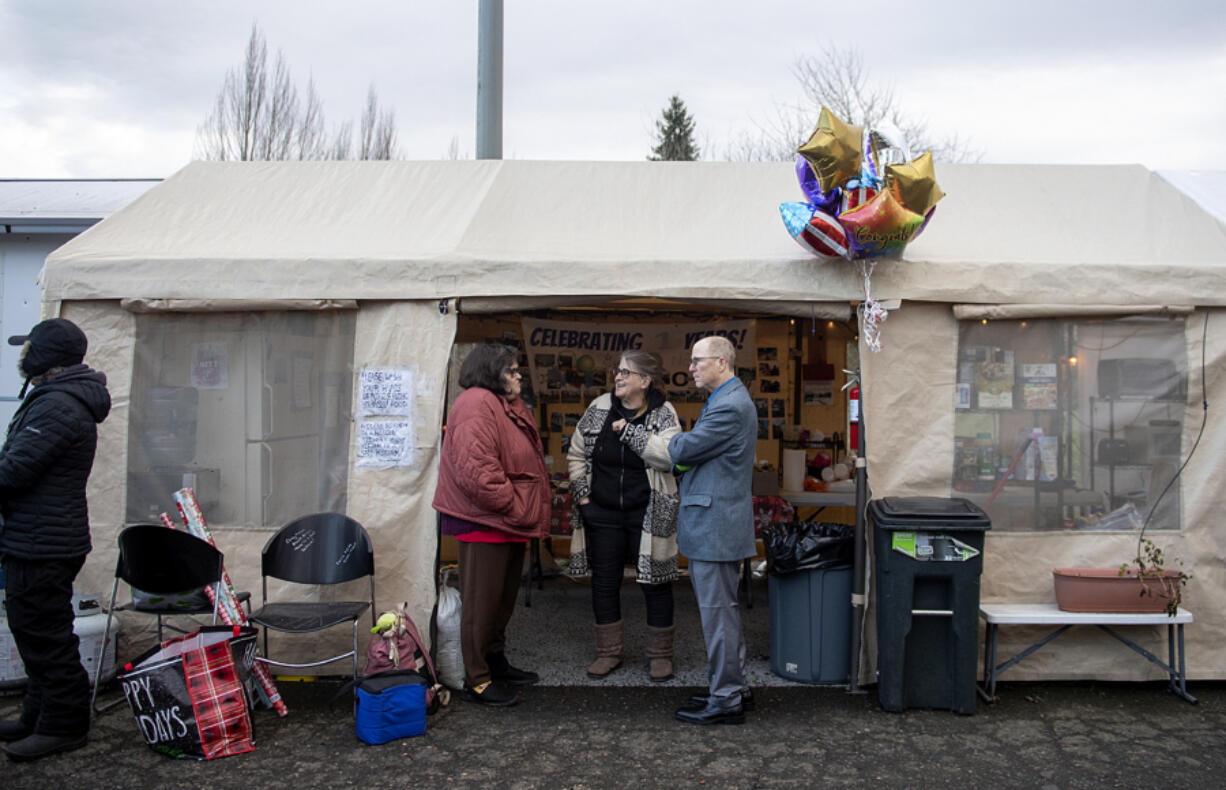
column 570, row 360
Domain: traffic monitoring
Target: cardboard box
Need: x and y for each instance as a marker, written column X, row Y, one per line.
column 766, row 483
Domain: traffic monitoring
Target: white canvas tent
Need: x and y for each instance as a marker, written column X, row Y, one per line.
column 406, row 243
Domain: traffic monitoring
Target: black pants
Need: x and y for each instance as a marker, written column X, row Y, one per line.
column 38, row 597
column 613, row 538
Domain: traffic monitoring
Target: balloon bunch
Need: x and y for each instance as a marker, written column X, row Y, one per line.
column 866, row 199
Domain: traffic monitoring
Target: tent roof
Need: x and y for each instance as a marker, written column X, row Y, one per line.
column 380, row 230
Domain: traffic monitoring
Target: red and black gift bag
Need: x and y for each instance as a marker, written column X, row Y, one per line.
column 192, row 695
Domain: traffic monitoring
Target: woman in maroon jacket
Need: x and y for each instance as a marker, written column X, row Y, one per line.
column 493, row 494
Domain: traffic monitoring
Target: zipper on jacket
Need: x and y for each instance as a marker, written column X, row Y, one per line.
column 621, row 475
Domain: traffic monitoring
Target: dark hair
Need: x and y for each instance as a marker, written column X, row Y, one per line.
column 647, row 364
column 484, row 366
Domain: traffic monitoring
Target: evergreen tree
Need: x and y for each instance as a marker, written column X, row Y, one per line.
column 674, row 134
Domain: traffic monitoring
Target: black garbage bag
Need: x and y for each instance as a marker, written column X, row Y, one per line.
column 807, row 546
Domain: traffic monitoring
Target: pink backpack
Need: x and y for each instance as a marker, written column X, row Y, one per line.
column 400, row 647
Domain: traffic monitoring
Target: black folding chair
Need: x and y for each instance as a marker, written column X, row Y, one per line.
column 324, row 548
column 161, row 561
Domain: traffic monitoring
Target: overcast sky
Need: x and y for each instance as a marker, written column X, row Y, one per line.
column 117, row 88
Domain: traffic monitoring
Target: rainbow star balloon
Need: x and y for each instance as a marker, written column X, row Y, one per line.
column 880, row 228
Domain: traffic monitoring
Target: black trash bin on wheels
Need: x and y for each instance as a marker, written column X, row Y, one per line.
column 929, row 557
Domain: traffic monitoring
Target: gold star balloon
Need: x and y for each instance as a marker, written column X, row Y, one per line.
column 833, row 151
column 914, row 184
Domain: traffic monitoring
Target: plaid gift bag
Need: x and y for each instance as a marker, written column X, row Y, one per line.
column 192, row 695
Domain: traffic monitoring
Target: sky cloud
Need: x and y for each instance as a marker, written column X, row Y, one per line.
column 118, row 89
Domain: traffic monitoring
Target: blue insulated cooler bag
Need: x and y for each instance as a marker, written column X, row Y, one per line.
column 391, row 705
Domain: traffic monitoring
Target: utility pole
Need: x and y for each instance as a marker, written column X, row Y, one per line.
column 489, row 80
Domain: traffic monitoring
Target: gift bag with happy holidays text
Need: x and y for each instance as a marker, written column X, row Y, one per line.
column 192, row 695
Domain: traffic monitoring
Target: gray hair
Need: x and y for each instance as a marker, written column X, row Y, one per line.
column 647, row 364
column 719, row 346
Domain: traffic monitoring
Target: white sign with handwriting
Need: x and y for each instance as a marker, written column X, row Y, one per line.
column 386, row 392
column 383, row 444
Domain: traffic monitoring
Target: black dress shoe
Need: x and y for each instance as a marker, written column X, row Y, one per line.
column 501, row 669
column 14, row 730
column 700, row 700
column 35, row 746
column 712, row 715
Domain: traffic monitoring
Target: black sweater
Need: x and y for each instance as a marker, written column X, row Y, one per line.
column 619, row 476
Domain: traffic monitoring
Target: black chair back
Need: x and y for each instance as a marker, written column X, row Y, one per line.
column 322, row 548
column 159, row 560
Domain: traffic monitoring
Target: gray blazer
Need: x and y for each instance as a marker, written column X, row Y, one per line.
column 715, row 522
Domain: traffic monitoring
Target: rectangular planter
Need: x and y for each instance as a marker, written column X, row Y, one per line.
column 1105, row 590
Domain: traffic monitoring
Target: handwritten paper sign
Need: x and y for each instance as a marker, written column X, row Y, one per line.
column 386, row 392
column 383, row 444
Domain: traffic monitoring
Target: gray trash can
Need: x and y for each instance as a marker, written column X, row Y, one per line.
column 811, row 625
column 929, row 557
column 810, row 600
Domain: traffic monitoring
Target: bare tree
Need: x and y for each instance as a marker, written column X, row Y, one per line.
column 259, row 117
column 773, row 139
column 453, row 150
column 837, row 78
column 311, row 135
column 378, row 129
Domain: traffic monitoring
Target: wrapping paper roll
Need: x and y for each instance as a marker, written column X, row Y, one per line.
column 793, row 470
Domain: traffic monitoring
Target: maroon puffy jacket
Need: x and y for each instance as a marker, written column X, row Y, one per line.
column 492, row 470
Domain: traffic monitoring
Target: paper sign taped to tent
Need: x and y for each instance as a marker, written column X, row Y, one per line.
column 385, row 391
column 383, row 444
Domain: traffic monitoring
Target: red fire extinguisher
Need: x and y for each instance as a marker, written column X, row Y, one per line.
column 853, row 418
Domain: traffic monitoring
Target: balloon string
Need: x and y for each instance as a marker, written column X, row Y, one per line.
column 872, row 314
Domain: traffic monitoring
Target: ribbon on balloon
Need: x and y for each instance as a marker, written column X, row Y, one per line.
column 865, row 199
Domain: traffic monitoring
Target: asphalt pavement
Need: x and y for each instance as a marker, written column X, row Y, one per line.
column 1057, row 735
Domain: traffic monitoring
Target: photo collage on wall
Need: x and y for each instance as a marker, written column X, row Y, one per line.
column 772, row 410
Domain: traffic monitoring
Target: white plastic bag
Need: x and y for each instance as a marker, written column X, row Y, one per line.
column 449, row 661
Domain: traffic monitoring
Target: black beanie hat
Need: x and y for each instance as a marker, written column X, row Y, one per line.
column 56, row 342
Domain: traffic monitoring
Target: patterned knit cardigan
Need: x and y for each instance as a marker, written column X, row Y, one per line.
column 657, row 556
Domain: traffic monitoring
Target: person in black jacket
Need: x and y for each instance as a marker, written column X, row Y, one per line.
column 44, row 465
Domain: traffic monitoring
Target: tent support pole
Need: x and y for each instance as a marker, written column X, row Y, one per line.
column 858, row 575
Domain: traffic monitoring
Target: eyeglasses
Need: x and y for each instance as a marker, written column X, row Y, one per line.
column 695, row 360
column 618, row 372
column 514, row 372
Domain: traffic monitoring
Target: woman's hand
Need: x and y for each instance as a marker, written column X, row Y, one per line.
column 618, row 425
column 585, row 501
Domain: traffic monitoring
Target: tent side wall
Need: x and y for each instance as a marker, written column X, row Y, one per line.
column 393, row 504
column 909, row 415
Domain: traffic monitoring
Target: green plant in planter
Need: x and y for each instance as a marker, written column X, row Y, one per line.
column 1150, row 567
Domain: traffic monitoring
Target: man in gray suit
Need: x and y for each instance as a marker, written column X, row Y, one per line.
column 715, row 524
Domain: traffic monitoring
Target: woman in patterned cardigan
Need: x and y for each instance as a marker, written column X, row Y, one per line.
column 621, row 481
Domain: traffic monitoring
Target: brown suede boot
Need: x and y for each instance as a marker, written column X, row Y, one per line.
column 660, row 651
column 608, row 650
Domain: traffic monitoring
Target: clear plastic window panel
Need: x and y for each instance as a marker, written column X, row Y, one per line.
column 1071, row 425
column 251, row 410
